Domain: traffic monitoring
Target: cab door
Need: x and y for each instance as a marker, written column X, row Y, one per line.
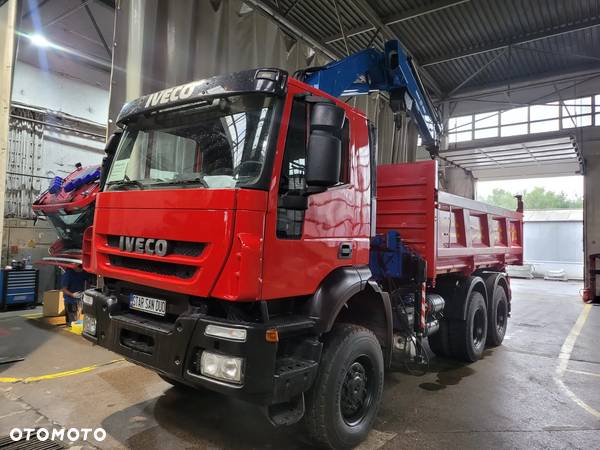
column 302, row 247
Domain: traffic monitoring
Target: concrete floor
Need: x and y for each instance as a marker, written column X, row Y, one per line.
column 512, row 398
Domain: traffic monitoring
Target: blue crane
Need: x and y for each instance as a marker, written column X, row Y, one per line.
column 389, row 71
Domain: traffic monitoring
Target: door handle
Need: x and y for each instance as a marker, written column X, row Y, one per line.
column 345, row 250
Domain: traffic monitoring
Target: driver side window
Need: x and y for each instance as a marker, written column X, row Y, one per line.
column 292, row 179
column 289, row 222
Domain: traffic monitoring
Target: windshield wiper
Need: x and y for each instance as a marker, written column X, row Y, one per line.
column 125, row 183
column 197, row 180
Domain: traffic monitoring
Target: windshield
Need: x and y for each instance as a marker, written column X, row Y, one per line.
column 219, row 143
column 70, row 227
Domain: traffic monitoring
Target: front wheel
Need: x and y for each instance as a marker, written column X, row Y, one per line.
column 343, row 403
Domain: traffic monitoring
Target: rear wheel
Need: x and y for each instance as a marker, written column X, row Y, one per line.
column 467, row 337
column 497, row 317
column 343, row 403
column 438, row 342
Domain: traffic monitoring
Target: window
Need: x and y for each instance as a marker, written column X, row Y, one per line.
column 577, row 121
column 513, row 130
column 515, row 115
column 544, row 112
column 345, row 161
column 460, row 129
column 293, row 177
column 543, row 126
column 486, row 125
column 294, row 158
column 486, row 120
column 293, row 181
column 537, row 118
column 577, row 107
column 460, row 137
column 577, row 112
column 460, row 124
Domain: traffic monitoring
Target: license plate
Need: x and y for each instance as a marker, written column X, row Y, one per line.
column 148, row 304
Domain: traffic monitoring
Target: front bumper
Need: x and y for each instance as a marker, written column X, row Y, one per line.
column 174, row 349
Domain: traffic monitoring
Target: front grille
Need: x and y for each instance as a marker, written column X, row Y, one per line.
column 157, row 267
column 182, row 248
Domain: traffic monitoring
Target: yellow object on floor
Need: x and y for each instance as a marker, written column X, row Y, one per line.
column 58, row 374
column 75, row 328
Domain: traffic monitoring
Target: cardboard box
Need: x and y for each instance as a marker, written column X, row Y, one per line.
column 54, row 304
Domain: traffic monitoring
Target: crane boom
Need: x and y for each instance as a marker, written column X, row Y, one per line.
column 389, row 71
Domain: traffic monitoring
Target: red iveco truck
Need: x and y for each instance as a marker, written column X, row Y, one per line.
column 245, row 242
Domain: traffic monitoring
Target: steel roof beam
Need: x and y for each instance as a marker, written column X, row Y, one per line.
column 97, row 28
column 477, row 72
column 372, row 17
column 284, row 23
column 506, row 42
column 397, row 18
column 476, row 94
column 66, row 14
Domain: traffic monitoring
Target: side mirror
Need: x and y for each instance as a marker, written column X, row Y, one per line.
column 324, row 153
column 109, row 150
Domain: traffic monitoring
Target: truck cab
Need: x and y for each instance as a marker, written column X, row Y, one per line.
column 217, row 169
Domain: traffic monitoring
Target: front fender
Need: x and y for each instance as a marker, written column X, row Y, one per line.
column 332, row 294
column 349, row 294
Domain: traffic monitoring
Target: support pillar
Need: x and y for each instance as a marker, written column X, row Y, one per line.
column 8, row 15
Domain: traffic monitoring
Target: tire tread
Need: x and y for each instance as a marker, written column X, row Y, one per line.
column 315, row 415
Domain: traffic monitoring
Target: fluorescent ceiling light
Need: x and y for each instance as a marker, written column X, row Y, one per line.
column 39, row 40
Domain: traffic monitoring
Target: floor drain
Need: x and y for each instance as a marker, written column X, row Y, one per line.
column 6, row 443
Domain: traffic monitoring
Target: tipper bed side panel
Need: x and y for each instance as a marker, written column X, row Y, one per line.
column 474, row 235
column 452, row 233
column 406, row 202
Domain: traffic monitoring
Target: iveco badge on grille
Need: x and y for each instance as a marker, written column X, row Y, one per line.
column 149, row 246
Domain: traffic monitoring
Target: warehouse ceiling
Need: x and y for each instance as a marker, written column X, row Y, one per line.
column 459, row 44
column 78, row 36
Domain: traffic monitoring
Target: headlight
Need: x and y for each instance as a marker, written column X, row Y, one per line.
column 234, row 334
column 222, row 367
column 89, row 325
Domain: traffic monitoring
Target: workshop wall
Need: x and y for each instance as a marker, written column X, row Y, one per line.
column 54, row 123
column 50, row 130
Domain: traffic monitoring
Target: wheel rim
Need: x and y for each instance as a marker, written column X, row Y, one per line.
column 357, row 391
column 478, row 327
column 501, row 317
